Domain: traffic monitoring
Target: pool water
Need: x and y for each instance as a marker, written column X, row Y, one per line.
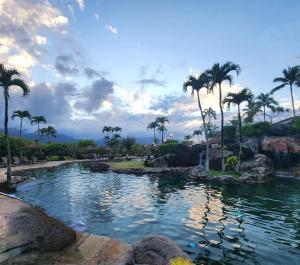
column 254, row 224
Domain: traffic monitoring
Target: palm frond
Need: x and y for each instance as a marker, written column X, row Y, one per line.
column 21, row 84
column 275, row 89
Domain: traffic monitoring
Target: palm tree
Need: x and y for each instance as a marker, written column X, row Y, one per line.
column 217, row 75
column 266, row 101
column 291, row 76
column 116, row 129
column 43, row 133
column 198, row 132
column 251, row 110
column 237, row 99
column 107, row 130
column 152, row 126
column 198, row 83
column 162, row 129
column 51, row 132
column 9, row 78
column 22, row 115
column 210, row 114
column 38, row 120
column 161, row 126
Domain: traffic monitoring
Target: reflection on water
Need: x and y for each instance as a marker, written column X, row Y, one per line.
column 256, row 224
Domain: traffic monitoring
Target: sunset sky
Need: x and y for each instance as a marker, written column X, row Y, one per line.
column 122, row 63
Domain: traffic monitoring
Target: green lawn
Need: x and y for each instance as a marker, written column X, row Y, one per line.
column 217, row 173
column 126, row 164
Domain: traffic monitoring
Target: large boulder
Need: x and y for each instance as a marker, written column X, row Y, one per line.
column 96, row 166
column 250, row 148
column 281, row 144
column 156, row 250
column 258, row 170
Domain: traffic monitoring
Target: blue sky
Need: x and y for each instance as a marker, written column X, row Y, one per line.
column 137, row 54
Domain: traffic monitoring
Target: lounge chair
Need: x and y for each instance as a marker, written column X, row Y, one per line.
column 16, row 160
column 4, row 159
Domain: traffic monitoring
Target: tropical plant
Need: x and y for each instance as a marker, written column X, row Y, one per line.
column 116, row 129
column 9, row 78
column 290, row 76
column 38, row 120
column 181, row 261
column 196, row 84
column 43, row 132
column 232, row 162
column 237, row 99
column 251, row 110
column 257, row 130
column 22, row 115
column 153, row 126
column 107, row 130
column 266, row 101
column 128, row 142
column 276, row 112
column 217, row 75
column 86, row 143
column 210, row 114
column 50, row 132
column 161, row 126
column 198, row 133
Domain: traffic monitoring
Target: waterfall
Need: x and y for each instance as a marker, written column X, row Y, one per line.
column 201, row 159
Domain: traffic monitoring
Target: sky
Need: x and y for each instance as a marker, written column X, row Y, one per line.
column 123, row 63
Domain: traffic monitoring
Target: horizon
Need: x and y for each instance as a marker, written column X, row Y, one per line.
column 124, row 63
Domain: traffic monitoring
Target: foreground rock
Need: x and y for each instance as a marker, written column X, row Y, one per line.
column 153, row 171
column 96, row 166
column 156, row 250
column 28, row 237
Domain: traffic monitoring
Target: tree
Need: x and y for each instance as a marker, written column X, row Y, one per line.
column 161, row 126
column 265, row 101
column 116, row 129
column 86, row 143
column 198, row 133
column 196, row 84
column 251, row 110
column 290, row 76
column 22, row 115
column 9, row 78
column 38, row 120
column 237, row 99
column 107, row 130
column 43, row 132
column 128, row 142
column 210, row 114
column 153, row 126
column 217, row 75
column 50, row 132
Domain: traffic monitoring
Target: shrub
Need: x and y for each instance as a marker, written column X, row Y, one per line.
column 180, row 261
column 229, row 134
column 295, row 126
column 16, row 145
column 171, row 148
column 171, row 141
column 257, row 129
column 86, row 143
column 231, row 162
column 56, row 149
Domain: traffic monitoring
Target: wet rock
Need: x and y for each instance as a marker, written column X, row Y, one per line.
column 281, row 144
column 96, row 166
column 156, row 250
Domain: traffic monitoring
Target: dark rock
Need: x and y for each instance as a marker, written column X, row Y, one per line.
column 156, row 250
column 250, row 148
column 96, row 166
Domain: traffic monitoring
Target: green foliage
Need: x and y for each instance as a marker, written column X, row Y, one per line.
column 170, row 148
column 171, row 141
column 58, row 149
column 86, row 143
column 229, row 134
column 128, row 142
column 231, row 162
column 296, row 126
column 257, row 129
column 16, row 145
column 138, row 149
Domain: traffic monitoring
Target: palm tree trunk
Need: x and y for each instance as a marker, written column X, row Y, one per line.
column 264, row 113
column 8, row 155
column 154, row 136
column 292, row 96
column 222, row 128
column 21, row 126
column 241, row 137
column 162, row 137
column 205, row 133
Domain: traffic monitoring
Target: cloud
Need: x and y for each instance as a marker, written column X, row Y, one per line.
column 21, row 24
column 95, row 95
column 152, row 81
column 65, row 65
column 111, row 29
column 80, row 4
column 92, row 73
column 97, row 17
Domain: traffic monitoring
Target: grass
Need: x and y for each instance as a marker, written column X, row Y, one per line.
column 217, row 173
column 126, row 164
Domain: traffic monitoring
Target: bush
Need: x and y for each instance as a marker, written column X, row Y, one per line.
column 16, row 145
column 171, row 148
column 229, row 134
column 55, row 158
column 295, row 126
column 86, row 143
column 56, row 149
column 257, row 129
column 171, row 141
column 231, row 162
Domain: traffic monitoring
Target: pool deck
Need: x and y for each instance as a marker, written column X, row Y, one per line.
column 49, row 164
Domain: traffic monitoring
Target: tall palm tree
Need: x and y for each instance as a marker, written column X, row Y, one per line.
column 22, row 115
column 251, row 110
column 217, row 75
column 237, row 99
column 265, row 101
column 116, row 129
column 196, row 84
column 162, row 129
column 107, row 130
column 198, row 133
column 43, row 133
column 210, row 114
column 38, row 120
column 9, row 78
column 51, row 132
column 161, row 126
column 290, row 76
column 153, row 126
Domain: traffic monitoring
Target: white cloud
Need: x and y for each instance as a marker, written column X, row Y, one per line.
column 80, row 4
column 111, row 29
column 97, row 17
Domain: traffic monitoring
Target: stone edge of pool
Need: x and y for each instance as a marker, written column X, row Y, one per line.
column 30, row 236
